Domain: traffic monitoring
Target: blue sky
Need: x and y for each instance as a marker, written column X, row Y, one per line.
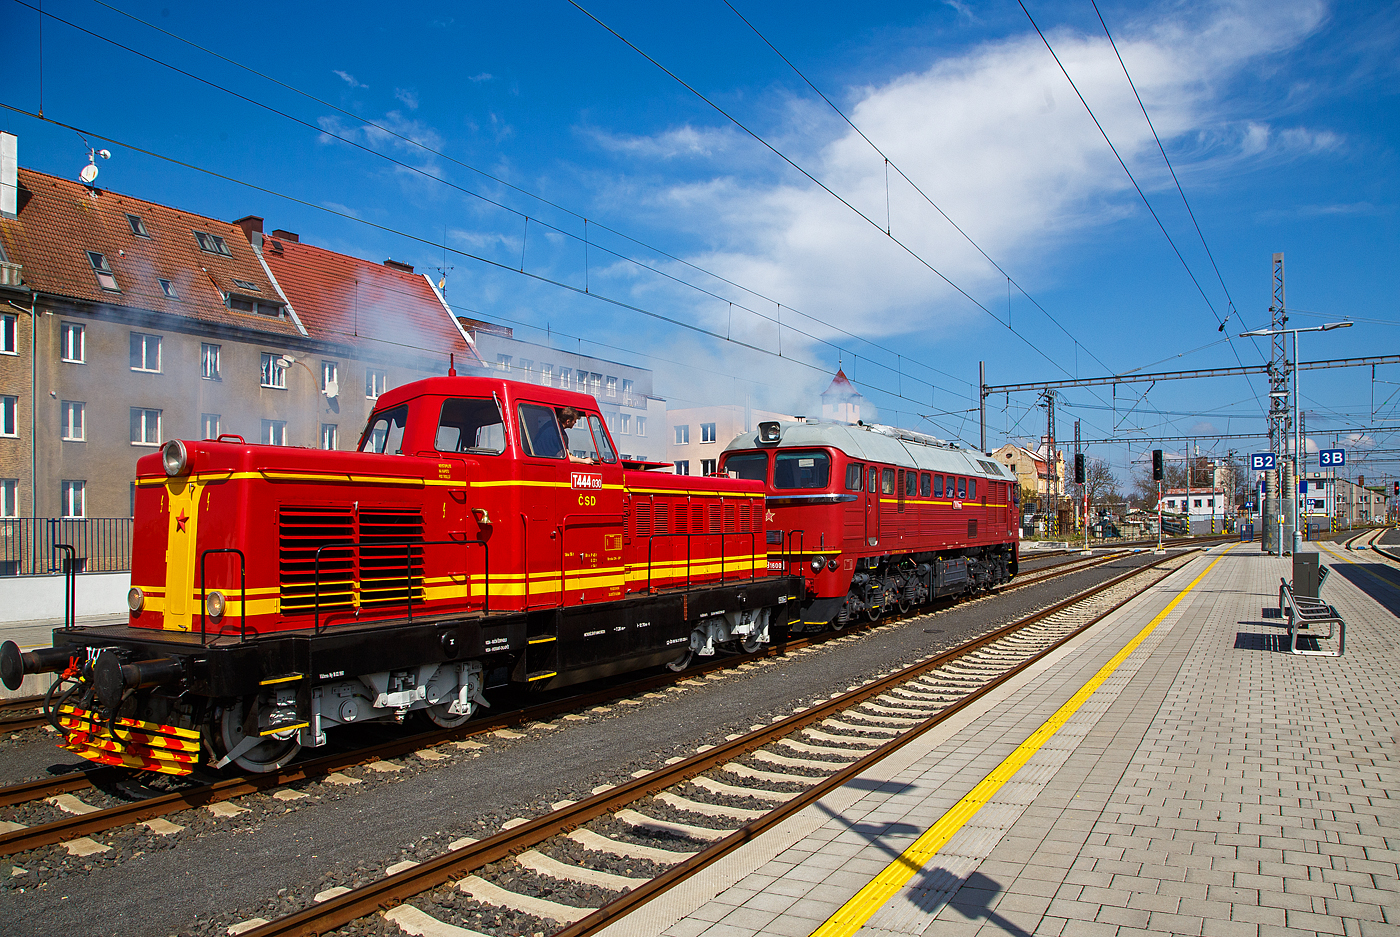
column 1280, row 120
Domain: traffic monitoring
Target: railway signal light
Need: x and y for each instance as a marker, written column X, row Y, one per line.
column 1079, row 468
column 1395, row 489
column 1157, row 465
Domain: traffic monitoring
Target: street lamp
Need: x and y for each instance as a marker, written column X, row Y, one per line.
column 1297, row 427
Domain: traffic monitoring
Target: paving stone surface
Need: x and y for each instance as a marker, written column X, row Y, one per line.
column 1216, row 785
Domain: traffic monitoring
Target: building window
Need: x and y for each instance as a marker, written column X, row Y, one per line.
column 145, row 352
column 274, row 371
column 330, row 436
column 682, row 435
column 145, row 427
column 138, row 227
column 566, row 375
column 1197, row 502
column 626, row 423
column 612, row 386
column 9, row 497
column 683, row 467
column 707, row 466
column 526, row 366
column 103, row 271
column 247, row 285
column 274, row 432
column 74, row 499
column 71, row 426
column 9, row 340
column 595, row 383
column 72, row 342
column 209, row 362
column 1210, row 502
column 376, row 382
column 707, row 432
column 212, row 243
column 503, row 362
column 167, row 288
column 641, row 426
column 330, row 378
column 547, row 375
column 9, row 411
column 210, row 425
column 627, row 390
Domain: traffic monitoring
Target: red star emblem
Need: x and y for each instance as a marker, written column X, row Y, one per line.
column 181, row 521
column 768, row 517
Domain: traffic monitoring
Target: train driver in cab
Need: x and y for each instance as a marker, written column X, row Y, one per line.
column 568, row 416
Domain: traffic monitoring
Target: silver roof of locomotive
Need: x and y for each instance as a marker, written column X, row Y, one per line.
column 879, row 444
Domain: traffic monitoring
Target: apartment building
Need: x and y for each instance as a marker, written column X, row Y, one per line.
column 697, row 435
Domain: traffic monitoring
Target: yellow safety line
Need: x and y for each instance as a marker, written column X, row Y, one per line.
column 851, row 916
column 1365, row 569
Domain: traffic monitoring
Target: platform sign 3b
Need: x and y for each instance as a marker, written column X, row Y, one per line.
column 1263, row 461
column 1332, row 458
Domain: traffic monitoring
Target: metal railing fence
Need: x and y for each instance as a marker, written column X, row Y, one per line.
column 100, row 544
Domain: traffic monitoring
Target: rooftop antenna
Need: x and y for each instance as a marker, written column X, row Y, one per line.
column 89, row 172
column 444, row 269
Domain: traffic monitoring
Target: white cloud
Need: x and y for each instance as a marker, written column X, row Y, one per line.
column 997, row 138
column 348, row 78
column 409, row 98
column 484, row 76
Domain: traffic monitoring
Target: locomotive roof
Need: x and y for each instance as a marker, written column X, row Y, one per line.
column 869, row 444
column 474, row 386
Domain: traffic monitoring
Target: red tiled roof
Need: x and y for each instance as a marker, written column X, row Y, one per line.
column 59, row 221
column 344, row 299
column 840, row 384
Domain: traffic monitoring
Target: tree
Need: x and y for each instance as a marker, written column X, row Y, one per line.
column 1099, row 480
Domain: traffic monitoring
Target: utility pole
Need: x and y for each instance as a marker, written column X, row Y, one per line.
column 982, row 402
column 1277, row 482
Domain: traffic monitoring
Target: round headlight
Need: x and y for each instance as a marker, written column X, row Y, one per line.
column 833, row 566
column 817, row 563
column 135, row 599
column 175, row 458
column 214, row 605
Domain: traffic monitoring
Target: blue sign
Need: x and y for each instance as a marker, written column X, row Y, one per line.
column 1332, row 458
column 1263, row 462
column 1249, row 506
column 1302, row 486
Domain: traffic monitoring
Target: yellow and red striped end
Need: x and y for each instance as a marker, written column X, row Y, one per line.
column 131, row 743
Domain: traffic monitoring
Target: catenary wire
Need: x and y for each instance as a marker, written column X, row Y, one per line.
column 498, row 180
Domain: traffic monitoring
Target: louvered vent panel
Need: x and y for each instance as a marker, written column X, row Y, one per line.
column 390, row 571
column 301, row 532
column 643, row 513
column 660, row 522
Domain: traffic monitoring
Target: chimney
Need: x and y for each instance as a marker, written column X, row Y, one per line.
column 399, row 265
column 9, row 175
column 286, row 235
column 251, row 225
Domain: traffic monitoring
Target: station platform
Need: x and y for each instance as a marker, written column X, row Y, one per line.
column 1174, row 770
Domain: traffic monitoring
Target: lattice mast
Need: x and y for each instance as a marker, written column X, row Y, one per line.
column 1278, row 483
column 1052, row 481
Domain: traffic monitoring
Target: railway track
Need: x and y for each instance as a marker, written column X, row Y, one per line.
column 679, row 819
column 26, row 713
column 148, row 805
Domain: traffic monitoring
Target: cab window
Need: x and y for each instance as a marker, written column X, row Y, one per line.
column 801, row 470
column 887, row 482
column 972, row 487
column 385, row 431
column 471, row 425
column 751, row 466
column 539, row 432
column 854, row 474
column 925, row 485
column 602, row 447
column 938, row 486
column 874, row 479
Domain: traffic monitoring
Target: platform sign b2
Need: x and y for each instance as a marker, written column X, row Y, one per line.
column 1263, row 462
column 1332, row 458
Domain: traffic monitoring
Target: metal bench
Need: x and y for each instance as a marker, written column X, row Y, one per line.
column 1303, row 612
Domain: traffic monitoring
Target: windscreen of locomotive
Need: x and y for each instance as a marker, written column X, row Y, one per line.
column 385, row 431
column 602, row 448
column 471, row 425
column 539, row 433
column 801, row 470
column 751, row 466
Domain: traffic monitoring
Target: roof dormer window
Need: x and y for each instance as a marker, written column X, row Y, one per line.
column 212, row 244
column 246, row 285
column 138, row 227
column 103, row 270
column 168, row 289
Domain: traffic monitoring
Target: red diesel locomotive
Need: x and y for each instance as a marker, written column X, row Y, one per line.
column 876, row 518
column 479, row 537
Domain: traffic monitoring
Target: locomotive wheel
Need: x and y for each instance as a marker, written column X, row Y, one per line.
column 682, row 662
column 271, row 753
column 440, row 717
column 873, row 612
column 751, row 644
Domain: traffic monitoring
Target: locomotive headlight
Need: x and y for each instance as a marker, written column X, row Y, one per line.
column 215, row 605
column 135, row 599
column 833, row 566
column 175, row 458
column 817, row 563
